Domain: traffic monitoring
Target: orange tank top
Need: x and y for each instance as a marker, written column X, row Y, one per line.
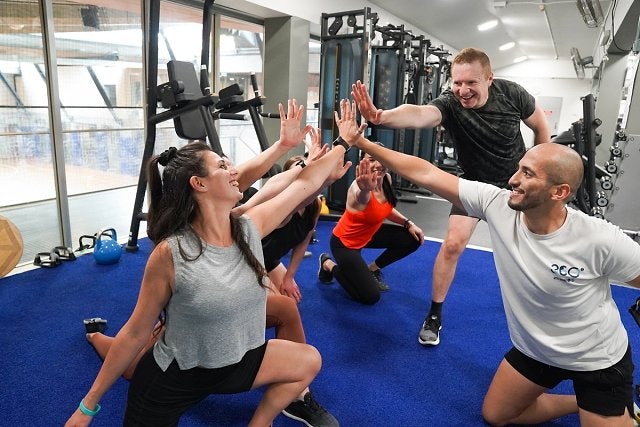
column 355, row 229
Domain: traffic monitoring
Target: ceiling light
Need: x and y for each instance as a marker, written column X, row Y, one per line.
column 520, row 59
column 487, row 25
column 507, row 46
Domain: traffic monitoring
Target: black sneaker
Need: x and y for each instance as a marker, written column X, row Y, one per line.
column 382, row 285
column 95, row 324
column 323, row 275
column 309, row 412
column 430, row 332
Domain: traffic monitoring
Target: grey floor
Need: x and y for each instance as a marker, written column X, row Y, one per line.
column 431, row 213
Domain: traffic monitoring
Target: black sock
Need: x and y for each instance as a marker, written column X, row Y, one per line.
column 436, row 309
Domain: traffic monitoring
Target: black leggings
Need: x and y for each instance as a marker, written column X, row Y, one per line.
column 352, row 272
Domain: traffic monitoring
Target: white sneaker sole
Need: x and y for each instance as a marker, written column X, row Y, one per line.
column 431, row 343
column 293, row 417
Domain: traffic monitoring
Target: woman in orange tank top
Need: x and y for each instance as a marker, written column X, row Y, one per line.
column 370, row 200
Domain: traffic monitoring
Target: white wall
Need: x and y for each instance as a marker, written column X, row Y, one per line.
column 312, row 11
column 554, row 79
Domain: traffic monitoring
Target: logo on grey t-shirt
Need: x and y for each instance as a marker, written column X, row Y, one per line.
column 565, row 273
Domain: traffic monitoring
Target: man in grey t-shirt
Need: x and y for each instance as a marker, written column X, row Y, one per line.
column 482, row 116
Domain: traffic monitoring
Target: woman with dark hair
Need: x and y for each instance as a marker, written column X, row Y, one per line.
column 370, row 200
column 281, row 310
column 206, row 274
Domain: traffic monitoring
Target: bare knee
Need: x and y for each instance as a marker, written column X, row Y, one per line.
column 312, row 360
column 452, row 248
column 492, row 417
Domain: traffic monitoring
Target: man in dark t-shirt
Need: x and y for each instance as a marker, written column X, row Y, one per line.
column 482, row 115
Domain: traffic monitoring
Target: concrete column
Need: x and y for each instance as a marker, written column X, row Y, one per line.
column 286, row 67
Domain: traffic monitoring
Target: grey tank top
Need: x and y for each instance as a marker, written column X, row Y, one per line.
column 217, row 312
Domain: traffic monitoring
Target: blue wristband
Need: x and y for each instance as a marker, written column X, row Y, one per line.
column 88, row 411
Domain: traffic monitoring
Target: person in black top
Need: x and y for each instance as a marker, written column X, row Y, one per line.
column 293, row 235
column 482, row 116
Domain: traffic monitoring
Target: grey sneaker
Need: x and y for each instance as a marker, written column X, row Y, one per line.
column 382, row 285
column 310, row 412
column 430, row 332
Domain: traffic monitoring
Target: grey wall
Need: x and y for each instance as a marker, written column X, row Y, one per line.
column 286, row 68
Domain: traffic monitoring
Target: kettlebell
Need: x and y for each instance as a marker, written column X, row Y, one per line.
column 107, row 249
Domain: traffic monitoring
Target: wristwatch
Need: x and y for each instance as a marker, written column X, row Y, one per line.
column 340, row 141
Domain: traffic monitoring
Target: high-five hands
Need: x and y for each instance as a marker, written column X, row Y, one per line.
column 365, row 104
column 349, row 129
column 366, row 178
column 290, row 133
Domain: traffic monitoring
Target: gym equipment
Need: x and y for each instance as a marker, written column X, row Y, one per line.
column 190, row 104
column 47, row 260
column 583, row 138
column 10, row 246
column 345, row 54
column 623, row 204
column 403, row 73
column 107, row 250
column 618, row 201
column 54, row 257
column 397, row 66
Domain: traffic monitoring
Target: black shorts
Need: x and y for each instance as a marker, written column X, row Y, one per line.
column 606, row 392
column 159, row 398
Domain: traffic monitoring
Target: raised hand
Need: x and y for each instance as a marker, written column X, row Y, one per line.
column 366, row 178
column 290, row 133
column 349, row 129
column 365, row 104
column 314, row 145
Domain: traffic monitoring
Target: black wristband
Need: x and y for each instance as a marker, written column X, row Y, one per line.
column 340, row 141
column 300, row 163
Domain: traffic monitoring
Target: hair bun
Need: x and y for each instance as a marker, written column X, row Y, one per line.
column 167, row 156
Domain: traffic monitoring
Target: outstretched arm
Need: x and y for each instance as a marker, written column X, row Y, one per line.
column 290, row 136
column 403, row 116
column 414, row 169
column 154, row 295
column 278, row 183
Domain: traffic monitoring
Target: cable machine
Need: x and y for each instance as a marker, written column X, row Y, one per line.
column 624, row 160
column 398, row 68
column 344, row 59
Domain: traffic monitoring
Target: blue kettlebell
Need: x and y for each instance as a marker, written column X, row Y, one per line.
column 107, row 250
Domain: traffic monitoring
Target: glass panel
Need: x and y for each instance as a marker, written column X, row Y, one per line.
column 27, row 189
column 99, row 65
column 241, row 54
